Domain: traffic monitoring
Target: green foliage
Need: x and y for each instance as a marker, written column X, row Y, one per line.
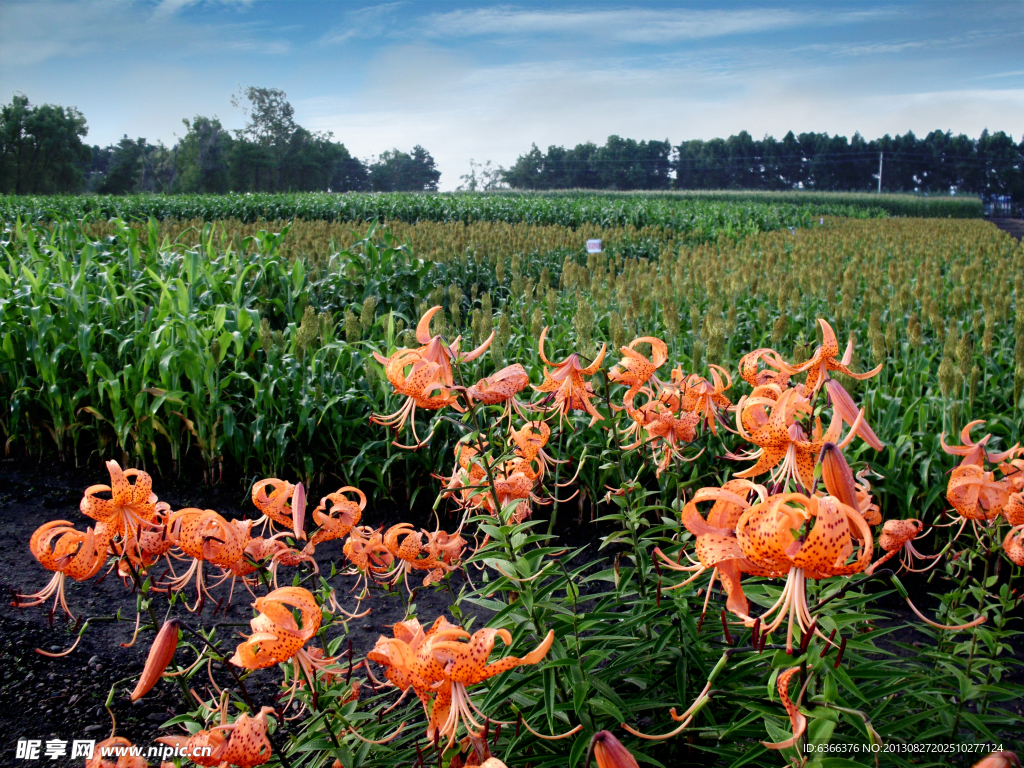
column 222, row 350
column 701, row 219
column 936, row 164
column 41, row 149
column 202, row 157
column 396, row 171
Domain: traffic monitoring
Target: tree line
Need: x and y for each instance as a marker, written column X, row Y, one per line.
column 42, row 152
column 991, row 165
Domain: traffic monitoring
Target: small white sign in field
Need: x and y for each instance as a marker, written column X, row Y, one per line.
column 593, row 246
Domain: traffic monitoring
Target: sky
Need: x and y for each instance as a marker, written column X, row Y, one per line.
column 483, row 81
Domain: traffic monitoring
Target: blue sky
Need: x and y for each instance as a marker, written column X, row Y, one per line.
column 483, row 81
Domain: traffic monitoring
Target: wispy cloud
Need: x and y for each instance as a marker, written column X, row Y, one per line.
column 34, row 31
column 363, row 23
column 166, row 8
column 1015, row 73
column 633, row 25
column 28, row 33
column 485, row 80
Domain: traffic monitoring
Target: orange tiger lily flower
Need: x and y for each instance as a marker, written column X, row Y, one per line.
column 798, row 722
column 501, row 387
column 153, row 543
column 865, row 503
column 67, row 552
column 123, row 761
column 571, row 392
column 342, row 518
column 529, row 446
column 1013, row 544
column 131, row 506
column 280, row 503
column 635, row 370
column 514, row 479
column 783, row 440
column 265, row 553
column 428, row 383
column 441, row 663
column 243, row 743
column 663, row 425
column 972, row 491
column 467, row 482
column 205, row 536
column 975, row 453
column 757, row 406
column 898, row 539
column 706, row 399
column 773, row 373
column 716, row 546
column 1013, row 472
column 824, row 361
column 278, row 637
column 437, row 553
column 975, row 494
column 1013, row 479
column 1013, row 510
column 803, row 537
column 365, row 549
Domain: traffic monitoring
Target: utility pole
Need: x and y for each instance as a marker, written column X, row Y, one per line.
column 879, row 173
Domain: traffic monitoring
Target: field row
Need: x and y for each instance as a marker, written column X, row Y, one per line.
column 698, row 219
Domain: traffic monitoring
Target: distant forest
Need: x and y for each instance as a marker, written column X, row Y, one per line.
column 42, row 151
column 939, row 163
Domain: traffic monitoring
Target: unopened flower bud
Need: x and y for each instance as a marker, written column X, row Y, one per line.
column 160, row 655
column 609, row 752
column 299, row 510
column 1003, row 759
column 838, row 476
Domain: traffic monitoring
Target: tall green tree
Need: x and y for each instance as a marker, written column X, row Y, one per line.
column 270, row 126
column 41, row 148
column 396, row 171
column 314, row 161
column 138, row 166
column 201, row 157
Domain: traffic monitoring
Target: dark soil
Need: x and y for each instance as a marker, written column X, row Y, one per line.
column 42, row 698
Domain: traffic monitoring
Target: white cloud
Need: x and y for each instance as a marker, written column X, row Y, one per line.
column 485, row 83
column 495, row 113
column 171, row 7
column 632, row 25
column 1015, row 73
column 29, row 34
column 35, row 31
column 363, row 23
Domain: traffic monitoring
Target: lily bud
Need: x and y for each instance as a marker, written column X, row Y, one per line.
column 299, row 510
column 609, row 752
column 1004, row 759
column 838, row 476
column 160, row 655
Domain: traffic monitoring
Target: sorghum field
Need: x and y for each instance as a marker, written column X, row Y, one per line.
column 376, row 480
